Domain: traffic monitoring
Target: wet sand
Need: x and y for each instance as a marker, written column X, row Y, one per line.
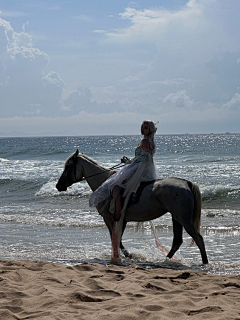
column 42, row 290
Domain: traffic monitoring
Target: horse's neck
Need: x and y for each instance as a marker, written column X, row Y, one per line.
column 93, row 172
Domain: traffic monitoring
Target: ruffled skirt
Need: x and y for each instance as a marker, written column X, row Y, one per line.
column 129, row 178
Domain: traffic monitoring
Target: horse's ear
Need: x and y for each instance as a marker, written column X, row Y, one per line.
column 76, row 153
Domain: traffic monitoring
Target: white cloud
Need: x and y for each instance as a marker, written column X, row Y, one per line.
column 12, row 13
column 180, row 99
column 24, row 88
column 234, row 103
column 82, row 100
column 25, row 24
column 179, row 66
column 84, row 18
column 173, row 82
column 207, row 119
column 99, row 31
column 149, row 25
column 194, row 33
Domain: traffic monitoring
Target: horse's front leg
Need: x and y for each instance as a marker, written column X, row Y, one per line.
column 109, row 221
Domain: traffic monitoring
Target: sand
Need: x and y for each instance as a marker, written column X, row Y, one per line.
column 41, row 290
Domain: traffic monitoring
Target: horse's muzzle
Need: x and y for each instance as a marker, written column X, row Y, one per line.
column 61, row 187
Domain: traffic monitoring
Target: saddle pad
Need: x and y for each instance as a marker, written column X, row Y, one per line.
column 136, row 196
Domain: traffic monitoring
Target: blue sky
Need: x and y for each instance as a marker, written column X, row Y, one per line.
column 92, row 67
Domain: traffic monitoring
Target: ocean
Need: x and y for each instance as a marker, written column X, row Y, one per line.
column 39, row 223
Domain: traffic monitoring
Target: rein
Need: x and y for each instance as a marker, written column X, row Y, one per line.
column 119, row 165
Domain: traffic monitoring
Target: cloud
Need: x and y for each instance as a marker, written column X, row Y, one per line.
column 234, row 103
column 12, row 13
column 209, row 118
column 179, row 66
column 81, row 100
column 25, row 24
column 84, row 18
column 180, row 99
column 196, row 63
column 192, row 34
column 99, row 31
column 24, row 87
column 150, row 24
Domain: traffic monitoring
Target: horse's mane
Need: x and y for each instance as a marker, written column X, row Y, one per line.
column 97, row 164
column 82, row 155
column 69, row 158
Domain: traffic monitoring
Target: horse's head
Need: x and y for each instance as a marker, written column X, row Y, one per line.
column 69, row 175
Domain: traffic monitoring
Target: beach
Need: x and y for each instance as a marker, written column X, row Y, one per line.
column 51, row 291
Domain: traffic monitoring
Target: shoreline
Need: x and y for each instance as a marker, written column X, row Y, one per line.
column 46, row 290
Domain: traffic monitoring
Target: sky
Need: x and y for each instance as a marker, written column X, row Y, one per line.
column 102, row 67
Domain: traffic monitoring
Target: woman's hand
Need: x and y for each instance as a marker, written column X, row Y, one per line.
column 125, row 160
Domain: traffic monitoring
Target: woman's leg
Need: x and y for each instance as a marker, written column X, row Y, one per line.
column 118, row 207
column 118, row 202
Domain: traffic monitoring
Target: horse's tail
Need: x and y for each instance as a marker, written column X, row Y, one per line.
column 197, row 207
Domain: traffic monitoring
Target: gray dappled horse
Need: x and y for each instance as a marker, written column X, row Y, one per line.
column 180, row 197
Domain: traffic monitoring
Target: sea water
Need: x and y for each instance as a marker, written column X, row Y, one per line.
column 39, row 223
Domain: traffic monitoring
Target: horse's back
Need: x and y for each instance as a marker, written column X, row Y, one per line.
column 163, row 195
column 175, row 194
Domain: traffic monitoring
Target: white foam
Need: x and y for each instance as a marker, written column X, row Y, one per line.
column 211, row 190
column 49, row 189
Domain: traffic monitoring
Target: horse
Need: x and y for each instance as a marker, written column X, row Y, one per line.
column 180, row 197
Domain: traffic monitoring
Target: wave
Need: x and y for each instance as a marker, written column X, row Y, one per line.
column 30, row 169
column 222, row 229
column 51, row 217
column 17, row 189
column 49, row 189
column 220, row 192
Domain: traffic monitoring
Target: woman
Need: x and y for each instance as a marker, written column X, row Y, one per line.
column 140, row 168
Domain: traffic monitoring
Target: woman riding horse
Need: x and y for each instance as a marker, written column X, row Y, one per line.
column 180, row 197
column 139, row 169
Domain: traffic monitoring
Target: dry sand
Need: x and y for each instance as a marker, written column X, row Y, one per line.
column 40, row 290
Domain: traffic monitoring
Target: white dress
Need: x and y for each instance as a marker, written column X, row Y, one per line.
column 140, row 169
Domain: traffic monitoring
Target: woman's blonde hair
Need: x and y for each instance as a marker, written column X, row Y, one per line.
column 153, row 129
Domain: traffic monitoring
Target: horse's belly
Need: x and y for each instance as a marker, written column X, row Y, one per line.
column 144, row 211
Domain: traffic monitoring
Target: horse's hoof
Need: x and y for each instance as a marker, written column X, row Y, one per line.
column 116, row 260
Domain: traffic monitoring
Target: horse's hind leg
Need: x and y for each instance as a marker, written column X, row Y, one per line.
column 124, row 251
column 177, row 238
column 198, row 240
